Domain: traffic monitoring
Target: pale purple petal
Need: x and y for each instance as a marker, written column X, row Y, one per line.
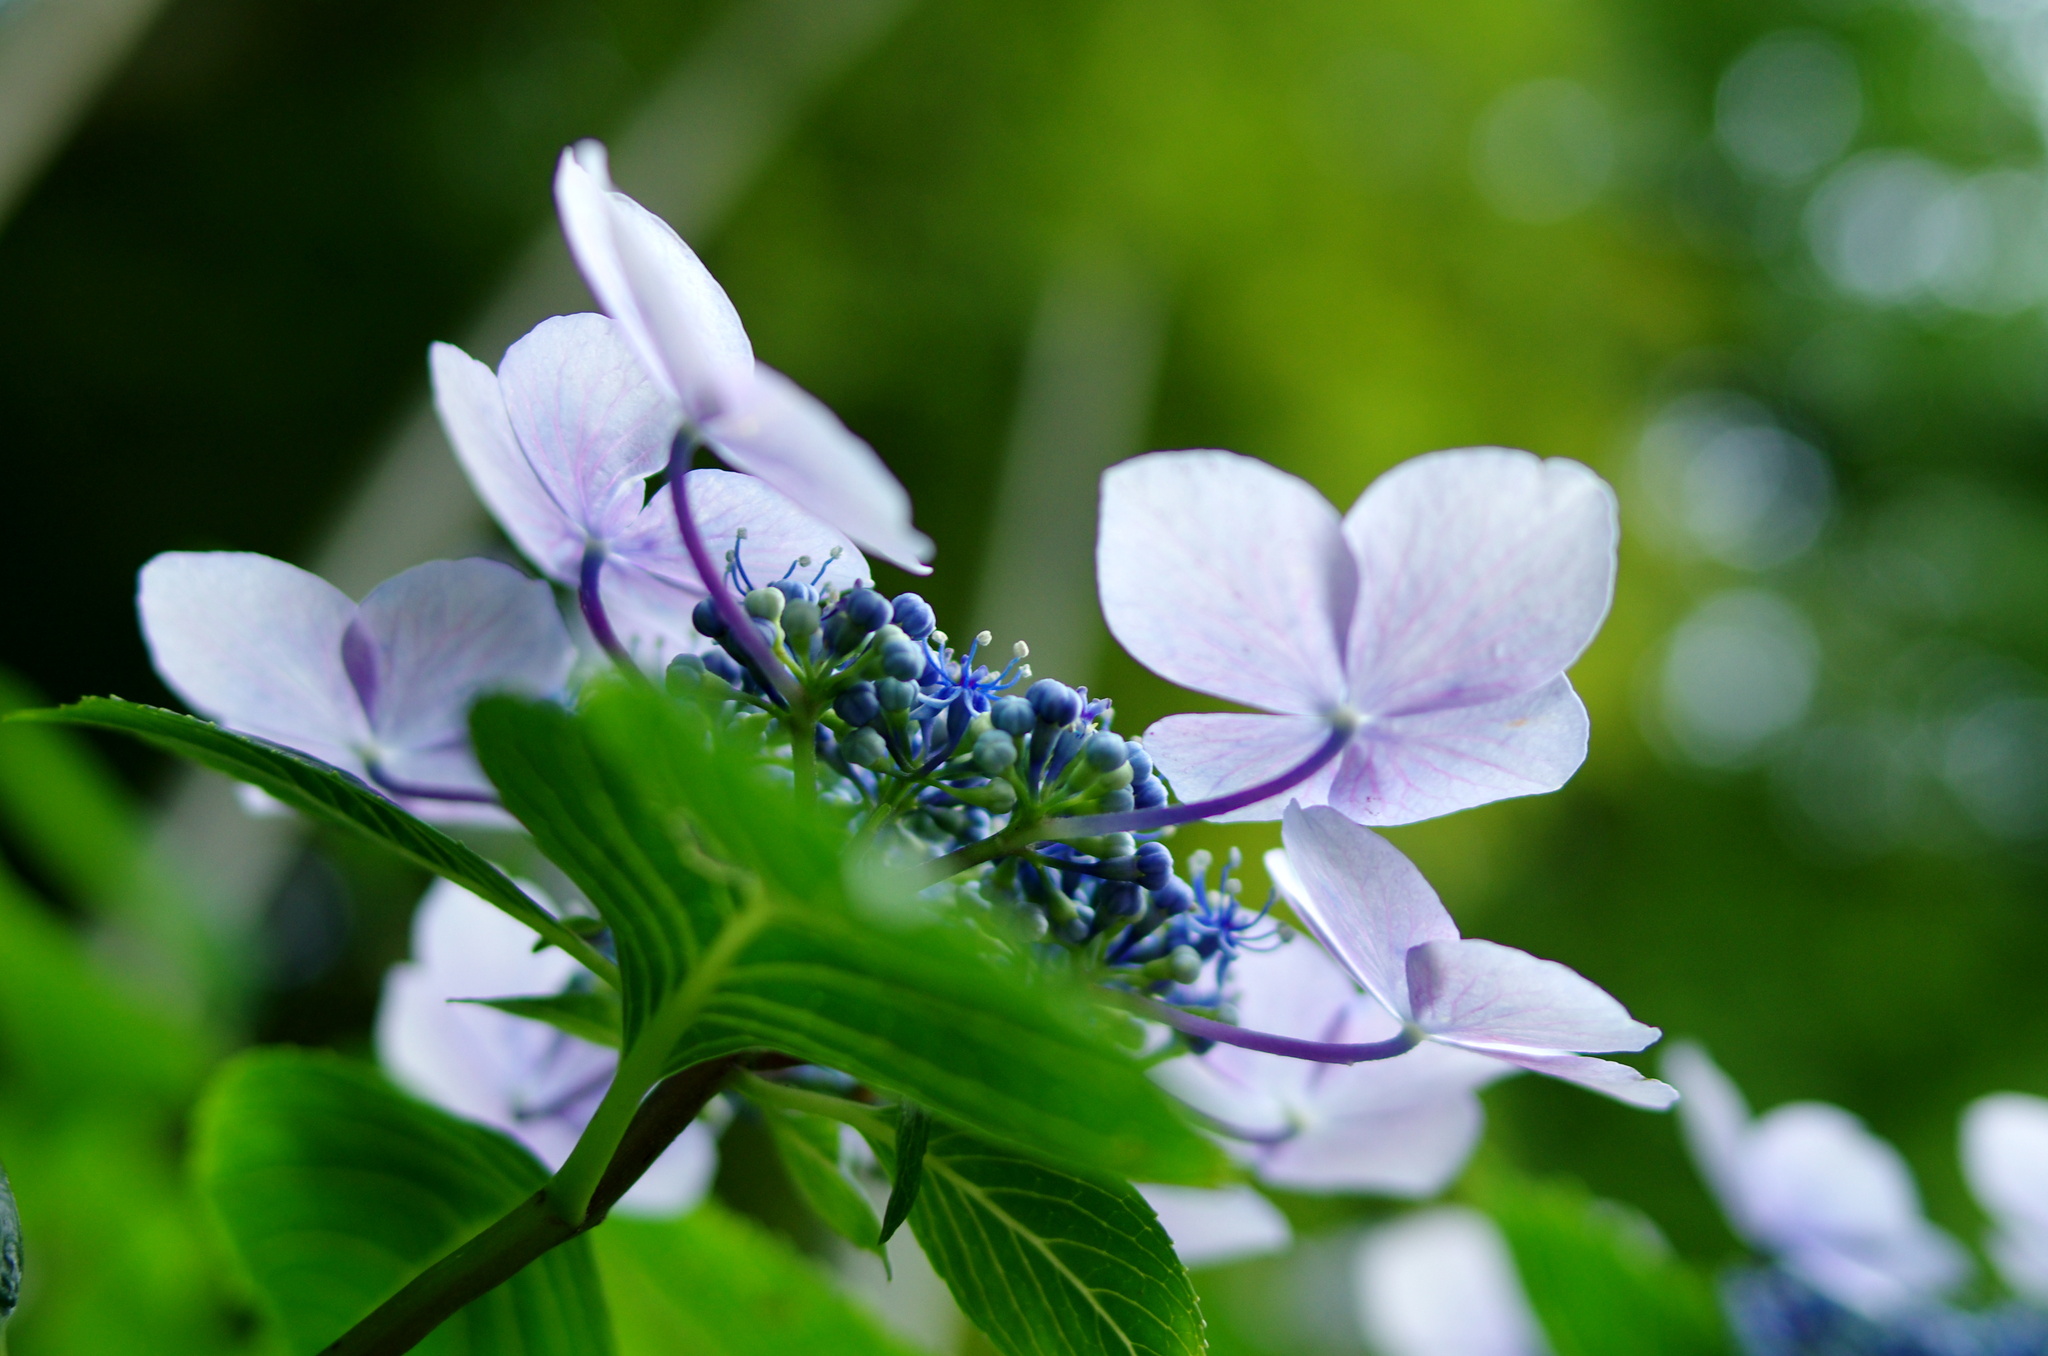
column 447, row 632
column 650, row 613
column 475, row 1061
column 1228, row 576
column 1203, row 756
column 1486, row 996
column 1364, row 901
column 2005, row 1158
column 778, row 533
column 1482, row 572
column 776, row 430
column 1716, row 1121
column 591, row 425
column 674, row 313
column 1442, row 1282
column 1210, row 1227
column 1611, row 1077
column 1411, row 1149
column 1295, row 989
column 1839, row 1208
column 255, row 644
column 1410, row 768
column 1253, row 1095
column 678, row 1179
column 471, row 404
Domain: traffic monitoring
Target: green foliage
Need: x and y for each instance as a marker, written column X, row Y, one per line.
column 714, row 1284
column 326, row 793
column 1048, row 1262
column 587, row 1015
column 335, row 1190
column 686, row 847
column 913, row 1137
column 1603, row 1282
column 809, row 1149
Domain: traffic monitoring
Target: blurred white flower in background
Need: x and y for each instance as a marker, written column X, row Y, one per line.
column 1788, row 106
column 1737, row 674
column 1441, row 1282
column 1723, row 480
column 2005, row 1158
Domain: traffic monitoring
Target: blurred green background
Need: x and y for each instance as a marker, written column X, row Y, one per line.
column 1778, row 271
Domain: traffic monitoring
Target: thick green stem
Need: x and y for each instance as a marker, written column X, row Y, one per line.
column 572, row 1189
column 803, row 758
column 533, row 1227
column 974, row 854
column 865, row 1119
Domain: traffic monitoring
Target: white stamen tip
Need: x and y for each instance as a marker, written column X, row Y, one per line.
column 984, row 637
column 938, row 639
column 1198, row 863
column 1021, row 650
column 837, row 552
column 1236, row 858
column 740, row 535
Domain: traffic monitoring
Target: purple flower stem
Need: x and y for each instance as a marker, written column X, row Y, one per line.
column 399, row 788
column 592, row 603
column 1322, row 1052
column 1161, row 816
column 729, row 610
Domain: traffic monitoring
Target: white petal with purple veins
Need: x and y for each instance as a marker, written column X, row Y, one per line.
column 472, row 409
column 1409, row 768
column 1442, row 1282
column 1611, row 1077
column 591, row 424
column 449, row 631
column 1483, row 573
column 1228, row 576
column 778, row 431
column 255, row 644
column 1208, row 755
column 1483, row 995
column 1365, row 902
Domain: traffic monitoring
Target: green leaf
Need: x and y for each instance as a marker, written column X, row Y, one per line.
column 336, row 1189
column 590, row 1015
column 1048, row 1262
column 714, row 1284
column 809, row 1148
column 1602, row 1280
column 670, row 834
column 913, row 1136
column 326, row 793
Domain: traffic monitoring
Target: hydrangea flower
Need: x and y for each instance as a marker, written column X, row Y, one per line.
column 381, row 689
column 1374, row 913
column 1808, row 1185
column 1442, row 1282
column 559, row 444
column 2005, row 1158
column 1399, row 1127
column 1211, row 1226
column 1409, row 657
column 521, row 1077
column 689, row 338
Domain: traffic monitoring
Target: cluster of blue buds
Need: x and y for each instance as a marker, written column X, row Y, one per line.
column 1776, row 1314
column 947, row 752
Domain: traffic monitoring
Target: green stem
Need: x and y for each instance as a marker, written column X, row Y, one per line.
column 532, row 1227
column 974, row 854
column 573, row 1185
column 803, row 757
column 865, row 1119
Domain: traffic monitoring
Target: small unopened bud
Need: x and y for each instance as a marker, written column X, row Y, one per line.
column 1105, row 751
column 800, row 620
column 1013, row 715
column 864, row 748
column 767, row 604
column 1186, row 963
column 1055, row 702
column 902, row 660
column 685, row 674
column 894, row 695
column 994, row 753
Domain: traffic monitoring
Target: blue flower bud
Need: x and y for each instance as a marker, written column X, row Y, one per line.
column 1105, row 752
column 858, row 705
column 1155, row 865
column 1119, row 899
column 795, row 590
column 719, row 663
column 1013, row 715
column 1148, row 794
column 865, row 610
column 704, row 616
column 685, row 675
column 864, row 748
column 895, row 695
column 1141, row 761
column 1054, row 702
column 1173, row 898
column 767, row 604
column 994, row 753
column 1185, row 964
column 903, row 660
column 1063, row 751
column 914, row 615
column 800, row 622
column 1115, row 802
column 1080, row 926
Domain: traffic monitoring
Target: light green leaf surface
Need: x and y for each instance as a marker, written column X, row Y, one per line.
column 809, row 1149
column 714, row 1284
column 1047, row 1262
column 336, row 1189
column 588, row 1016
column 325, row 793
column 668, row 834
